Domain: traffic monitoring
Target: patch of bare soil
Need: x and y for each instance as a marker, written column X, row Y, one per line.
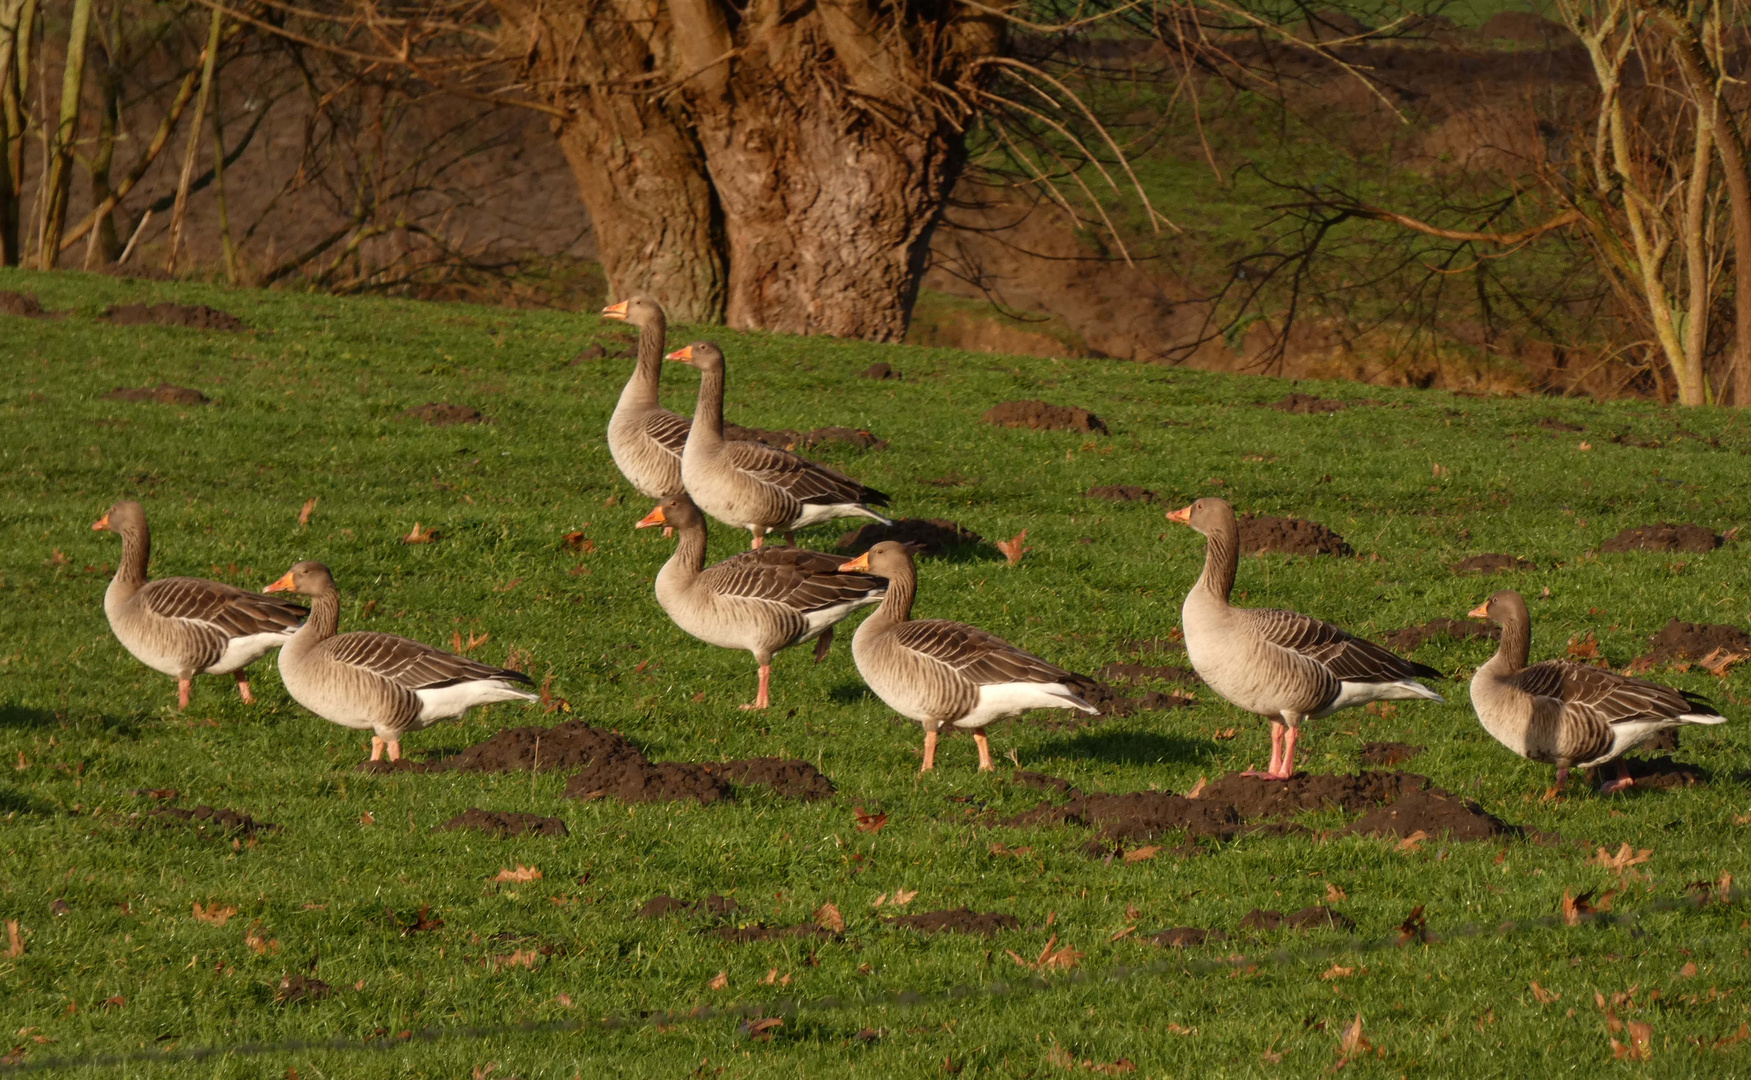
column 1435, row 813
column 636, row 780
column 1132, row 674
column 1492, row 564
column 197, row 316
column 879, row 370
column 1251, row 797
column 788, row 777
column 1289, row 536
column 503, row 823
column 1183, row 937
column 1041, row 782
column 1043, row 417
column 959, row 921
column 663, row 904
column 443, row 414
column 296, row 988
column 599, row 351
column 162, row 394
column 1412, row 638
column 1662, row 773
column 1153, row 645
column 1388, row 754
column 926, row 537
column 743, row 935
column 1124, row 493
column 1317, row 917
column 213, row 820
column 1663, row 537
column 1114, row 705
column 25, row 305
column 787, row 439
column 563, row 747
column 1551, row 423
column 1139, row 815
column 1305, row 404
column 1683, row 643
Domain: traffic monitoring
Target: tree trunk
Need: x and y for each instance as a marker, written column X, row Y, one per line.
column 17, row 24
column 209, row 64
column 60, row 165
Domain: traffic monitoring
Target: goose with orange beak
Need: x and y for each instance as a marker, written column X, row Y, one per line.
column 1567, row 714
column 380, row 683
column 749, row 485
column 644, row 438
column 762, row 601
column 1279, row 664
column 939, row 672
column 185, row 626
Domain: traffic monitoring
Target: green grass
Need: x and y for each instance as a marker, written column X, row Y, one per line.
column 305, row 406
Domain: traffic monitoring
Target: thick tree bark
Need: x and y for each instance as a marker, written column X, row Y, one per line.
column 60, row 170
column 17, row 25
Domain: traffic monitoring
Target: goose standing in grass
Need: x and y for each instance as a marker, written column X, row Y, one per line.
column 187, row 626
column 1566, row 714
column 751, row 485
column 644, row 438
column 939, row 672
column 380, row 682
column 1279, row 664
column 761, row 601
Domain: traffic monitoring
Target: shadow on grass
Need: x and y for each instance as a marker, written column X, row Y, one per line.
column 851, row 693
column 25, row 718
column 17, row 802
column 1126, row 748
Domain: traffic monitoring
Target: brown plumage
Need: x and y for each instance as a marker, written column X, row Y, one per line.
column 1567, row 714
column 187, row 626
column 939, row 672
column 644, row 438
column 762, row 601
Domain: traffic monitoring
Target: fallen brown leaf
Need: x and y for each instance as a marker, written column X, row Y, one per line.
column 1410, row 842
column 761, row 1030
column 1123, row 1065
column 1333, row 894
column 997, row 848
column 216, row 915
column 1623, row 860
column 1545, row 997
column 1414, row 928
column 902, row 897
column 772, row 979
column 1224, row 734
column 417, row 536
column 1198, row 788
column 1717, row 662
column 1148, row 851
column 1352, row 1043
column 1336, row 972
column 1012, row 548
column 1271, row 1057
column 827, row 917
column 14, row 940
column 1640, row 1046
column 1586, row 648
column 867, row 822
column 1575, row 909
column 719, row 981
column 304, row 514
column 366, row 818
column 520, row 874
column 259, row 945
column 1687, row 971
column 524, row 958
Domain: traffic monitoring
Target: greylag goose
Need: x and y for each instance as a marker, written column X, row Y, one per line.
column 187, row 626
column 1566, row 714
column 1279, row 664
column 380, row 682
column 644, row 438
column 939, row 672
column 751, row 485
column 761, row 601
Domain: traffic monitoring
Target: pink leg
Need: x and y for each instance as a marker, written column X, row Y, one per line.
column 763, row 699
column 1556, row 789
column 929, row 752
column 983, row 742
column 1624, row 780
column 1288, row 764
column 1276, row 754
column 377, row 745
column 394, row 748
column 243, row 689
column 759, row 540
column 182, row 688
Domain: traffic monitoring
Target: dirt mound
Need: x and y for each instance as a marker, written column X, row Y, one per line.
column 1317, row 917
column 959, row 921
column 1133, row 674
column 787, row 439
column 1139, row 815
column 1436, row 813
column 1388, row 754
column 742, row 935
column 1663, row 537
column 197, row 316
column 1124, row 493
column 1251, row 797
column 663, row 904
column 1153, row 645
column 21, row 304
column 1113, row 704
column 214, row 820
column 927, row 537
column 1042, row 782
column 571, row 745
column 1683, row 643
column 503, row 823
column 1551, row 423
column 1662, row 773
column 443, row 414
column 789, row 777
column 1290, row 536
column 1412, row 638
column 162, row 394
column 598, row 351
column 1525, row 26
column 1043, row 417
column 1182, row 937
column 879, row 370
column 636, row 780
column 296, row 988
column 1305, row 404
column 1491, row 564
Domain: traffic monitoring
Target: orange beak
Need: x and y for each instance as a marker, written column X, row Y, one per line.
column 655, row 517
column 859, row 563
column 1183, row 515
column 615, row 311
column 1482, row 611
column 101, row 524
column 684, row 353
column 282, row 585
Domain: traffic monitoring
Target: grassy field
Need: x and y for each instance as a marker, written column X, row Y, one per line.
column 305, row 405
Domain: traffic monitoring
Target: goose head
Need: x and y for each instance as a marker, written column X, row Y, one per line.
column 674, row 512
column 888, row 559
column 1206, row 515
column 704, row 355
column 126, row 516
column 307, row 578
column 640, row 311
column 1502, row 608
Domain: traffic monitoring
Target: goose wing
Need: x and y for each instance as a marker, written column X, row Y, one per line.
column 667, row 430
column 1348, row 657
column 411, row 664
column 231, row 611
column 980, row 657
column 1605, row 697
column 801, row 479
column 802, row 580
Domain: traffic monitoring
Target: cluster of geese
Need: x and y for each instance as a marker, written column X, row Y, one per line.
column 1287, row 667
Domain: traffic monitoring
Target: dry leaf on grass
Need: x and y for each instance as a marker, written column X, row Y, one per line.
column 868, row 822
column 719, row 981
column 761, row 1030
column 1059, row 1056
column 14, row 940
column 902, row 897
column 366, row 818
column 772, row 979
column 259, row 945
column 1224, row 734
column 1012, row 548
column 997, row 848
column 1411, row 842
column 304, row 514
column 520, row 874
column 1336, row 972
column 1545, row 997
column 1271, row 1056
column 1575, row 909
column 1333, row 894
column 1198, row 788
column 1640, row 1046
column 524, row 958
column 418, row 536
column 1586, row 648
column 215, row 914
column 827, row 917
column 1623, row 860
column 1050, row 956
column 1148, row 851
column 1716, row 663
column 1414, row 928
column 1352, row 1043
column 1687, row 971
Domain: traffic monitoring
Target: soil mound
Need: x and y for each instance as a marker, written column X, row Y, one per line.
column 787, row 439
column 1662, row 773
column 1551, row 423
column 742, row 935
column 789, row 777
column 1139, row 815
column 1305, row 404
column 1114, row 705
column 1435, row 813
column 1412, row 638
column 663, row 904
column 598, row 351
column 1043, row 417
column 1492, row 564
column 636, row 780
column 197, row 316
column 1133, row 674
column 1042, row 782
column 1388, row 753
column 926, row 537
column 1124, row 493
column 162, row 394
column 21, row 304
column 213, row 820
column 443, row 414
column 1663, row 537
column 1183, row 937
column 1688, row 643
column 571, row 745
column 1290, row 536
column 879, row 370
column 1251, row 797
column 503, row 823
column 296, row 988
column 1317, row 917
column 959, row 921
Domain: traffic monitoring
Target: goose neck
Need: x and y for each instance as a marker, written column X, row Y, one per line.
column 641, row 389
column 1221, row 559
column 689, row 558
column 322, row 624
column 896, row 606
column 136, row 554
column 708, row 414
column 1515, row 647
